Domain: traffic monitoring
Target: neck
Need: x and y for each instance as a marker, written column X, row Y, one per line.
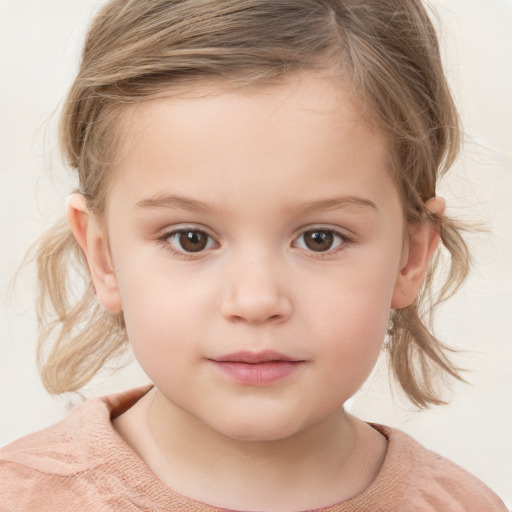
column 329, row 462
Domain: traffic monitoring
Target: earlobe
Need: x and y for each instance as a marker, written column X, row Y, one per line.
column 423, row 239
column 93, row 241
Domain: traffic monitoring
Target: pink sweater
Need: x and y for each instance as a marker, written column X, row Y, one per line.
column 82, row 464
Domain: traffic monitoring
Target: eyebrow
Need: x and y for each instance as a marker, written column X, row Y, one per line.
column 334, row 203
column 174, row 202
column 185, row 203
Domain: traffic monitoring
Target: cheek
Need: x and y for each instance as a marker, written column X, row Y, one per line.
column 350, row 349
column 165, row 314
column 354, row 330
column 357, row 299
column 350, row 324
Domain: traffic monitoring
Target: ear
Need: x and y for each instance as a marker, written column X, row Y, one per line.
column 422, row 242
column 93, row 241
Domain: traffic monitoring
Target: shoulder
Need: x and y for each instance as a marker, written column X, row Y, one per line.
column 415, row 478
column 77, row 442
column 50, row 451
column 47, row 465
column 69, row 463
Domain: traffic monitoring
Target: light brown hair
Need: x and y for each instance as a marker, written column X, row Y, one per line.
column 385, row 52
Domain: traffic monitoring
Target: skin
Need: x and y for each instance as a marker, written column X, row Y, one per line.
column 267, row 164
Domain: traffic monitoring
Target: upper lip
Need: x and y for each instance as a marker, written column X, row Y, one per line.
column 254, row 357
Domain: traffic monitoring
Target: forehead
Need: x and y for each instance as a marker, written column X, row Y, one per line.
column 299, row 100
column 254, row 143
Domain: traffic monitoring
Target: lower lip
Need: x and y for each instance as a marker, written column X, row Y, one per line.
column 260, row 374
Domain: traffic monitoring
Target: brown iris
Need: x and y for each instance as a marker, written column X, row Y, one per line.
column 319, row 240
column 193, row 241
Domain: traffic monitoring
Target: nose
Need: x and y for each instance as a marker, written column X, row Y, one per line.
column 256, row 294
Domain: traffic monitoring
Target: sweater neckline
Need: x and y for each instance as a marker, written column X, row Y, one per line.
column 106, row 448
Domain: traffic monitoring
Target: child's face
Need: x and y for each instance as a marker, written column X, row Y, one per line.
column 264, row 222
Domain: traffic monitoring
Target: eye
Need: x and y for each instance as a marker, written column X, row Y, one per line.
column 189, row 240
column 321, row 240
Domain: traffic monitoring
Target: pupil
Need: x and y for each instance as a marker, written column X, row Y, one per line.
column 193, row 241
column 319, row 241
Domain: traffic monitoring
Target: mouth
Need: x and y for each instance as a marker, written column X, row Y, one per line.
column 257, row 368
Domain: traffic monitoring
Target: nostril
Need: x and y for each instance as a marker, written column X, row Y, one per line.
column 256, row 320
column 266, row 319
column 256, row 312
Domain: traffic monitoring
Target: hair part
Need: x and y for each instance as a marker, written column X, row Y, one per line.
column 385, row 52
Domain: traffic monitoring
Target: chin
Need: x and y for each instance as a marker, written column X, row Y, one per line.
column 257, row 430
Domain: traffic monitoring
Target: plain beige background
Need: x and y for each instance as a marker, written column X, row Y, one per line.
column 39, row 47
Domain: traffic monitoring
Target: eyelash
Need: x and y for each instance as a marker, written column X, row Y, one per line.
column 164, row 240
column 343, row 242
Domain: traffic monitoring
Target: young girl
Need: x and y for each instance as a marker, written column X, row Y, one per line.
column 257, row 213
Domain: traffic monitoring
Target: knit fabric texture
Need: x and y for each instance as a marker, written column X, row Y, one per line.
column 82, row 464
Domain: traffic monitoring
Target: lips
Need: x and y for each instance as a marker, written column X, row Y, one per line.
column 256, row 368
